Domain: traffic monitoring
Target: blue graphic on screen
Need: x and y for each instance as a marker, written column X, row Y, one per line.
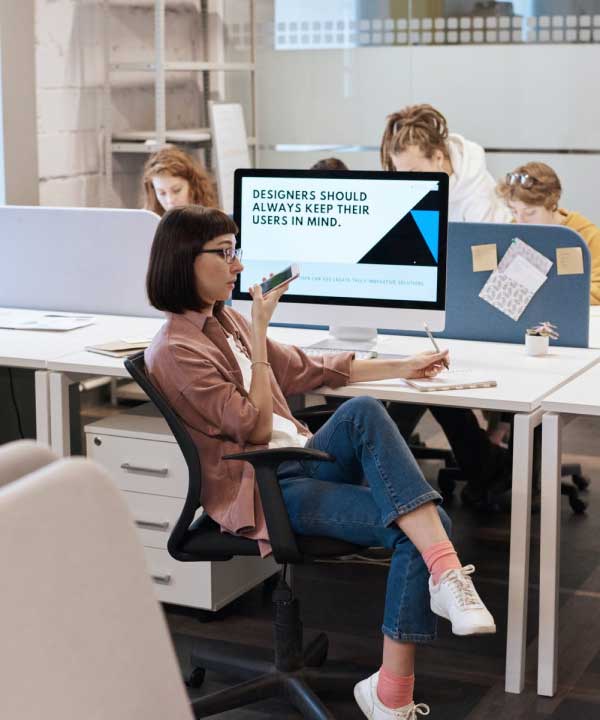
column 428, row 222
column 353, row 238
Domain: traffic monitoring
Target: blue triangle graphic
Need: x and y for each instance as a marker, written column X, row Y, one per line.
column 428, row 223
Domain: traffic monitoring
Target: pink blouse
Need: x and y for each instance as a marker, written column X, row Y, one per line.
column 190, row 361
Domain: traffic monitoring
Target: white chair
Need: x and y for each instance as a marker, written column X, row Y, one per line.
column 83, row 636
column 22, row 457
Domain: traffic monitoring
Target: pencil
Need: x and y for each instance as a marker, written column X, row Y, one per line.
column 435, row 345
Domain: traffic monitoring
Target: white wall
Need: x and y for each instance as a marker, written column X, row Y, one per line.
column 517, row 97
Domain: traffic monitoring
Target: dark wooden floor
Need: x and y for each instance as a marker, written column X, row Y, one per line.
column 461, row 679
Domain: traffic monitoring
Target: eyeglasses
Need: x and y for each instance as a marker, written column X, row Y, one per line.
column 228, row 254
column 523, row 179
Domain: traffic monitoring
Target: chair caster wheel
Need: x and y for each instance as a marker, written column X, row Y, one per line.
column 196, row 678
column 581, row 482
column 578, row 506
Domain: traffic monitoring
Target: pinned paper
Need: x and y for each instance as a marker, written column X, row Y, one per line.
column 569, row 261
column 485, row 257
column 520, row 274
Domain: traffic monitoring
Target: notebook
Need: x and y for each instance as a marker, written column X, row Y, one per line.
column 452, row 380
column 119, row 348
column 446, row 380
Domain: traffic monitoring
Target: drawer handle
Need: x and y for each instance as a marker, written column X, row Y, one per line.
column 128, row 467
column 152, row 524
column 162, row 579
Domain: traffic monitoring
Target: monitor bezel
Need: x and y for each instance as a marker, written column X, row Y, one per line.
column 441, row 177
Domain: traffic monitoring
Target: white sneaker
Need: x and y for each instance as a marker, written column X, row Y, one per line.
column 456, row 599
column 365, row 694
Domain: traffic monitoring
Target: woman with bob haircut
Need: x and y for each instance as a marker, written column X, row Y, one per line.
column 172, row 178
column 532, row 193
column 228, row 381
column 416, row 139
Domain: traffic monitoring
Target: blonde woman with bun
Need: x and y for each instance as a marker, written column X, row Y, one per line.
column 416, row 139
column 532, row 193
column 172, row 178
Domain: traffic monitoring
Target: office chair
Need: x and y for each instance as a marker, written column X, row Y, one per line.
column 450, row 475
column 292, row 672
column 22, row 457
column 83, row 635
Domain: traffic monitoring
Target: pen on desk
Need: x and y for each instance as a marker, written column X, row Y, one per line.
column 435, row 345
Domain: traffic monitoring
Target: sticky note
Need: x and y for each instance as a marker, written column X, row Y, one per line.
column 485, row 257
column 569, row 261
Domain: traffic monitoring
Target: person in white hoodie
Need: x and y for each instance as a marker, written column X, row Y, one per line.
column 416, row 139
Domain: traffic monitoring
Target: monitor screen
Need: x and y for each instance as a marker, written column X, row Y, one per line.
column 360, row 238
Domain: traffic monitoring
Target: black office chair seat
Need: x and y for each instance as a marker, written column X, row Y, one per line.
column 205, row 538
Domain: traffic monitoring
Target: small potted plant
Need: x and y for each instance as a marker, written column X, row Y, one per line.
column 537, row 338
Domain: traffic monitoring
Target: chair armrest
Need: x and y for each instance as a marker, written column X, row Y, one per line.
column 265, row 463
column 276, row 456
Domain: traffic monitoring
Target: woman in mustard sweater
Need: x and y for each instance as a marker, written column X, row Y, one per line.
column 532, row 192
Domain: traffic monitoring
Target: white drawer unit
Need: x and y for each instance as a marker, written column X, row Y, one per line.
column 145, row 462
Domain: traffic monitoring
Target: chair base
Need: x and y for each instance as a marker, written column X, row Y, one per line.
column 263, row 680
column 290, row 672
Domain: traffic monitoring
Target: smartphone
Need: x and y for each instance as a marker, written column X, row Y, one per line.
column 280, row 278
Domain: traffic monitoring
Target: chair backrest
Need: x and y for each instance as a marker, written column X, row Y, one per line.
column 22, row 457
column 136, row 367
column 83, row 635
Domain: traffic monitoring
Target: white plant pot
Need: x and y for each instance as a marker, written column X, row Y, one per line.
column 536, row 344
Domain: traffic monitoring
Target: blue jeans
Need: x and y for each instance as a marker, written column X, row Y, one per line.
column 332, row 499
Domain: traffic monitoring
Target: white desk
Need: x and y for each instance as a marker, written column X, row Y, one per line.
column 522, row 384
column 579, row 397
column 34, row 349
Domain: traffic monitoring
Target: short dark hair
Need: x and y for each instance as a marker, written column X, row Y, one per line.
column 331, row 163
column 179, row 237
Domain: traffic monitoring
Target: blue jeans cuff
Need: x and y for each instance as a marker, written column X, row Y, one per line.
column 417, row 638
column 430, row 496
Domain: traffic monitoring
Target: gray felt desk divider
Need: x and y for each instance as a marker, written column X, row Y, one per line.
column 89, row 260
column 563, row 299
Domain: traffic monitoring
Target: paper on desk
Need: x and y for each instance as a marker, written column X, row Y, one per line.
column 520, row 274
column 45, row 322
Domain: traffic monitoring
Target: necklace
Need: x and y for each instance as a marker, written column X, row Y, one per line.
column 239, row 345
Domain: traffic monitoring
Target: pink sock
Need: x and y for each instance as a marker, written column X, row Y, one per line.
column 395, row 691
column 439, row 558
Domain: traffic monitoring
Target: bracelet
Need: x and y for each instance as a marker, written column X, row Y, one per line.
column 260, row 362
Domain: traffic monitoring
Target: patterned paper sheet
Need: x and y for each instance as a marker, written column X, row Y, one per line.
column 504, row 292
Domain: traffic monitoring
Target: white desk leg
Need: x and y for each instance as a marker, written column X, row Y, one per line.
column 549, row 553
column 59, row 413
column 42, row 407
column 518, row 572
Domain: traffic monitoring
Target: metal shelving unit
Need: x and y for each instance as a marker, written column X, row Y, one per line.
column 147, row 141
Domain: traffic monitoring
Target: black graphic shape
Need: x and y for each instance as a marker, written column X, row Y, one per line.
column 402, row 245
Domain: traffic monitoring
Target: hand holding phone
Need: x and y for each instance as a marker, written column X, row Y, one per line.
column 281, row 278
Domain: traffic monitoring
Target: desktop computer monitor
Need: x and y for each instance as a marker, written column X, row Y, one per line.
column 371, row 246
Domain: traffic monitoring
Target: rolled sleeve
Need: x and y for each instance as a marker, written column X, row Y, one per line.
column 298, row 373
column 336, row 369
column 211, row 399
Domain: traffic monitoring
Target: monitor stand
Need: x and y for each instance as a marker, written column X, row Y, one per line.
column 347, row 337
